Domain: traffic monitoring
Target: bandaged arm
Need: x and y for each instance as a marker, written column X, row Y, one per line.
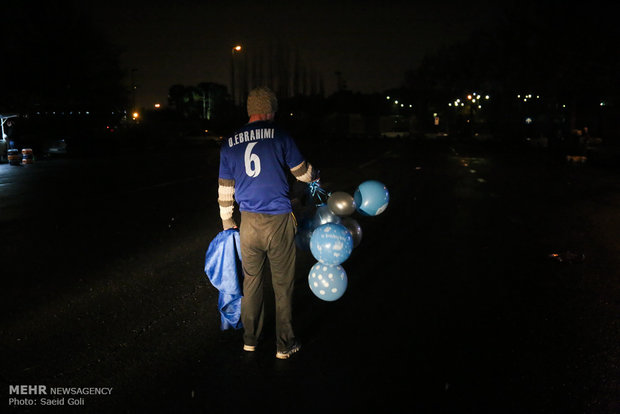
column 226, row 200
column 304, row 172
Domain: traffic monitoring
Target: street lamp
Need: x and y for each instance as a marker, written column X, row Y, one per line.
column 235, row 49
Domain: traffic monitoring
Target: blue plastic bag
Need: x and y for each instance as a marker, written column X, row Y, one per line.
column 223, row 267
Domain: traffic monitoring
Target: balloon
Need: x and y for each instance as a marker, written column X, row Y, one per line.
column 354, row 228
column 331, row 243
column 324, row 215
column 327, row 282
column 341, row 203
column 372, row 198
column 304, row 233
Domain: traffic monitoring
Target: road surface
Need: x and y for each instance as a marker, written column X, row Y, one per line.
column 457, row 301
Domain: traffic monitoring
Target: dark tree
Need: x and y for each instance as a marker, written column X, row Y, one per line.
column 55, row 58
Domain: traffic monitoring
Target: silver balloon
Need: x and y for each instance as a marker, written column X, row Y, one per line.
column 324, row 215
column 341, row 203
column 354, row 228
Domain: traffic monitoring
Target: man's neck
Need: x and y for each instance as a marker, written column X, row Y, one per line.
column 261, row 117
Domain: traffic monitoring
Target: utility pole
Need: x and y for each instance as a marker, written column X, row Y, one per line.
column 133, row 90
column 232, row 73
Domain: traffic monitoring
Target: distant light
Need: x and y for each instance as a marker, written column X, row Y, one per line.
column 563, row 106
column 450, row 104
column 237, row 48
column 410, row 106
column 387, row 97
column 479, row 106
column 473, row 100
column 469, row 97
column 291, row 114
column 157, row 105
column 487, row 97
column 396, row 102
column 602, row 103
column 528, row 120
column 519, row 96
column 434, row 114
column 135, row 115
column 402, row 105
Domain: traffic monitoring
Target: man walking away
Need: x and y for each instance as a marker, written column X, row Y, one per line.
column 253, row 171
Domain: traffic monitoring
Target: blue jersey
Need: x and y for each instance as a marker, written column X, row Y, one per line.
column 258, row 157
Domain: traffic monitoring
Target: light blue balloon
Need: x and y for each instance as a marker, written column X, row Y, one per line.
column 327, row 282
column 324, row 215
column 372, row 198
column 331, row 243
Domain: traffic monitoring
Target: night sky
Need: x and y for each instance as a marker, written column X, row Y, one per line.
column 372, row 43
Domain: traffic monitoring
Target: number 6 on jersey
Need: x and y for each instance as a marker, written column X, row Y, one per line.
column 250, row 158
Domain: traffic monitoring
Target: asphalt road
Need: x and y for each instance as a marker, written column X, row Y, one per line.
column 455, row 303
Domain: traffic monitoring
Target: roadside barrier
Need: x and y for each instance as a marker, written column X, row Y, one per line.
column 27, row 156
column 14, row 157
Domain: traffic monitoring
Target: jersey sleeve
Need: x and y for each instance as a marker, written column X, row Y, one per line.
column 225, row 171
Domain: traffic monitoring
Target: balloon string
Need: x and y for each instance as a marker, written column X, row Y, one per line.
column 319, row 195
